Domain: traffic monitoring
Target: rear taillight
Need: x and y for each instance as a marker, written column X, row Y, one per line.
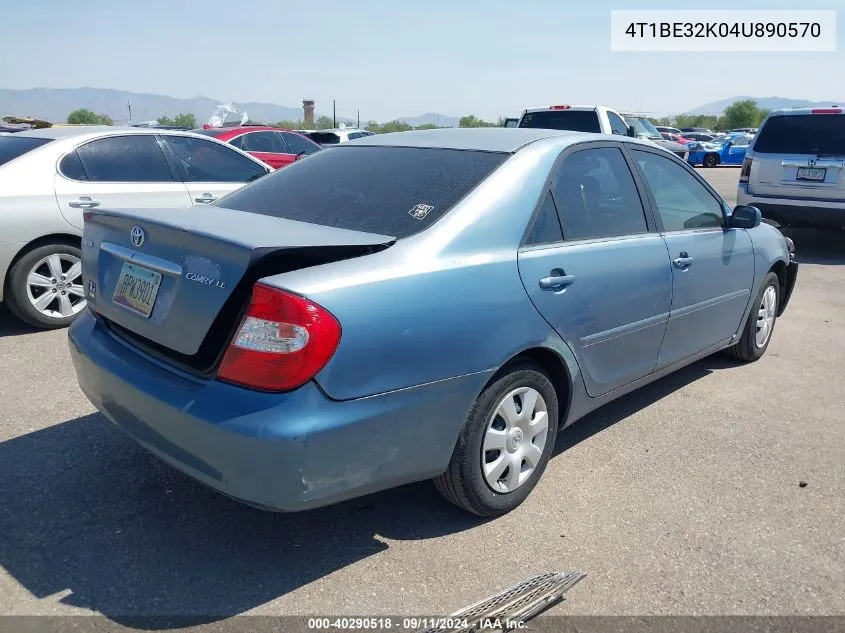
column 559, row 107
column 283, row 341
column 745, row 173
column 826, row 111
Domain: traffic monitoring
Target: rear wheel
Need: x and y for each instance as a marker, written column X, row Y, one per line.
column 760, row 324
column 711, row 160
column 45, row 286
column 505, row 444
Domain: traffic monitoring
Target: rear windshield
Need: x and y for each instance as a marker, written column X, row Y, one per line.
column 575, row 120
column 12, row 147
column 324, row 138
column 396, row 191
column 802, row 134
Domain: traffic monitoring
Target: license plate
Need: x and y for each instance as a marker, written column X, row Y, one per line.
column 811, row 173
column 137, row 289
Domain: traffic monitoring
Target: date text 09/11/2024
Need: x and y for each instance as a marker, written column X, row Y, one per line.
column 413, row 624
column 724, row 29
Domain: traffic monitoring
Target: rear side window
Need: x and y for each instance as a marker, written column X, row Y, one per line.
column 71, row 167
column 395, row 191
column 298, row 144
column 324, row 138
column 546, row 228
column 136, row 158
column 597, row 196
column 802, row 134
column 575, row 120
column 261, row 142
column 11, row 147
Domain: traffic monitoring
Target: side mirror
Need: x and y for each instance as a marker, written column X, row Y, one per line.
column 746, row 217
column 632, row 132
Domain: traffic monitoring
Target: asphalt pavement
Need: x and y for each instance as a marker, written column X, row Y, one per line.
column 718, row 490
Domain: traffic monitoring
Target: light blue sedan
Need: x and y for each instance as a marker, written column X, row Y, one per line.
column 418, row 305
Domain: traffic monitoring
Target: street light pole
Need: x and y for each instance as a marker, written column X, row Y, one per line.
column 334, row 114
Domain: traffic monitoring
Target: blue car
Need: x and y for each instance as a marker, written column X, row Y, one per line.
column 418, row 305
column 728, row 149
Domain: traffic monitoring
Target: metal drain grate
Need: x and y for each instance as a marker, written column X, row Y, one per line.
column 516, row 604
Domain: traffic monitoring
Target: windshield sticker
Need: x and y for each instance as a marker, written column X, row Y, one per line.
column 420, row 211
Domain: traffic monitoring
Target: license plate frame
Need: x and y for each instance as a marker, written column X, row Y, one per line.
column 811, row 174
column 143, row 286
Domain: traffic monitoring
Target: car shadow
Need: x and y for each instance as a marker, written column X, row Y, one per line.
column 93, row 521
column 818, row 246
column 11, row 325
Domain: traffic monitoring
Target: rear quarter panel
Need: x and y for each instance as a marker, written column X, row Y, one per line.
column 28, row 206
column 769, row 248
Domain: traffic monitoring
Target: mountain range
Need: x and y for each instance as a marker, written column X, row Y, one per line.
column 54, row 104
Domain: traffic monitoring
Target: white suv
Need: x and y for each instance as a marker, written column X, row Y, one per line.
column 794, row 171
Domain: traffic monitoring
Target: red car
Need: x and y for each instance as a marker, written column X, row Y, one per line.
column 276, row 147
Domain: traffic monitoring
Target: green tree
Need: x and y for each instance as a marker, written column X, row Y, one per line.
column 470, row 120
column 426, row 126
column 741, row 114
column 289, row 125
column 180, row 120
column 324, row 123
column 83, row 116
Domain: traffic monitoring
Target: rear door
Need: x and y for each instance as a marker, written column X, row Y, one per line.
column 117, row 172
column 606, row 287
column 712, row 265
column 800, row 156
column 210, row 170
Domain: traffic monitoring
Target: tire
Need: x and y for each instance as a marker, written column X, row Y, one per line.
column 464, row 483
column 749, row 347
column 45, row 261
column 711, row 160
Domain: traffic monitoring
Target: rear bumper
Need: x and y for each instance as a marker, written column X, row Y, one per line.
column 797, row 213
column 284, row 452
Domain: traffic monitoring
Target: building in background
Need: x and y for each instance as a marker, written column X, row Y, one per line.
column 308, row 108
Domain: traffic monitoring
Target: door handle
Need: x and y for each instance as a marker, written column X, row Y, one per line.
column 556, row 281
column 684, row 261
column 205, row 198
column 83, row 202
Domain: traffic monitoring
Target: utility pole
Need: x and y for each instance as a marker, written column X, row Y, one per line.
column 129, row 105
column 359, row 120
column 334, row 114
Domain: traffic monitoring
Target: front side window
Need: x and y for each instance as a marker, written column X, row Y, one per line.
column 617, row 125
column 683, row 203
column 297, row 144
column 135, row 158
column 200, row 160
column 395, row 191
column 597, row 196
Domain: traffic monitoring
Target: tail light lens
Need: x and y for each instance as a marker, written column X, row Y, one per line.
column 559, row 107
column 283, row 341
column 746, row 170
column 826, row 111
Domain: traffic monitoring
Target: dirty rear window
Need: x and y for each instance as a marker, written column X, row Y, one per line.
column 396, row 191
column 11, row 147
column 803, row 134
column 575, row 120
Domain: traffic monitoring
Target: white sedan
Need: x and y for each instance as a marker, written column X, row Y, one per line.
column 49, row 177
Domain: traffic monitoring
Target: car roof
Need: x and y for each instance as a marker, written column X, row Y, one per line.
column 568, row 107
column 485, row 139
column 95, row 130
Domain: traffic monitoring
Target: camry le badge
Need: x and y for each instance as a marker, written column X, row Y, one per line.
column 138, row 236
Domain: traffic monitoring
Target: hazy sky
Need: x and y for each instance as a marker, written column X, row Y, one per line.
column 393, row 58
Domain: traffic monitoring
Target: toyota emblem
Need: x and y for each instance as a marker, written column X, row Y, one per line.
column 138, row 236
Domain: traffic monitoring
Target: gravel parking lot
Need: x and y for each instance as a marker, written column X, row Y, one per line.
column 718, row 490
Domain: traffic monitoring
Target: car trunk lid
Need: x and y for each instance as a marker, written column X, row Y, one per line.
column 176, row 281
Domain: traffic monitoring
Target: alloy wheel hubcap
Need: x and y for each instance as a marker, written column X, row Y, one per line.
column 54, row 286
column 514, row 439
column 766, row 317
